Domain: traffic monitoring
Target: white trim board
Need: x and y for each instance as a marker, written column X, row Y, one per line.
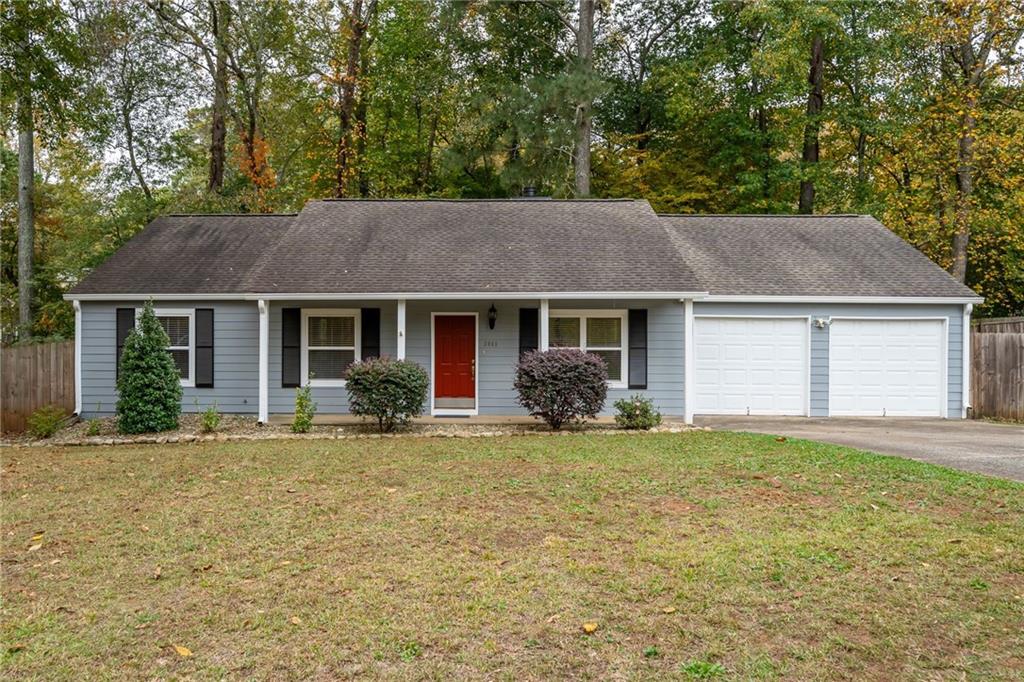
column 908, row 300
column 455, row 412
column 394, row 296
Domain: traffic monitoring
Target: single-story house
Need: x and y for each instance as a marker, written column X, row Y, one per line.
column 705, row 314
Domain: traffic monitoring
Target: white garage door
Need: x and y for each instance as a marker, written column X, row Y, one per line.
column 886, row 368
column 748, row 365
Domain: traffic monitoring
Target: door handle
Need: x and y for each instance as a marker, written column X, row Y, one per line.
column 472, row 368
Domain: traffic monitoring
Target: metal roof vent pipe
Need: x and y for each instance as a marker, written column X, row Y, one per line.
column 529, row 192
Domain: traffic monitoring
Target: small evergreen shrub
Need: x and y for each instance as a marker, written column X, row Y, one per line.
column 148, row 383
column 45, row 421
column 305, row 408
column 561, row 385
column 210, row 419
column 391, row 391
column 636, row 412
column 94, row 427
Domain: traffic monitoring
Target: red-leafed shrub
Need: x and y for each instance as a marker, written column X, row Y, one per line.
column 562, row 385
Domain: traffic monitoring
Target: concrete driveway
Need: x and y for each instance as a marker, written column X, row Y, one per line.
column 978, row 446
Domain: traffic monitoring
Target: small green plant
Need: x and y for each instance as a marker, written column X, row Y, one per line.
column 703, row 670
column 651, row 652
column 148, row 383
column 409, row 651
column 45, row 421
column 391, row 391
column 210, row 419
column 94, row 427
column 305, row 408
column 636, row 412
column 978, row 584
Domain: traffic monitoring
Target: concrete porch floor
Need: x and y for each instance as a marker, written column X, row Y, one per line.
column 348, row 419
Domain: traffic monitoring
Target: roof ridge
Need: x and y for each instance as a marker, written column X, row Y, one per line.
column 470, row 200
column 230, row 215
column 763, row 215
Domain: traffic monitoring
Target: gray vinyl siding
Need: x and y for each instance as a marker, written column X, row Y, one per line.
column 235, row 357
column 819, row 338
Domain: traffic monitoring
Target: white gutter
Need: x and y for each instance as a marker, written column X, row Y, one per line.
column 264, row 361
column 958, row 300
column 688, row 362
column 966, row 362
column 390, row 296
column 78, row 357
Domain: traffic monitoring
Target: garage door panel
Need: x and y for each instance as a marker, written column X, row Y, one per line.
column 751, row 365
column 886, row 367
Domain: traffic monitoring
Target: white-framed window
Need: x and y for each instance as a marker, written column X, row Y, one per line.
column 330, row 343
column 601, row 332
column 180, row 325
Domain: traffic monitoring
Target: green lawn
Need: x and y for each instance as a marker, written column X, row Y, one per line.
column 714, row 554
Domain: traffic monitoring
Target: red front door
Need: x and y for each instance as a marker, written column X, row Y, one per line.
column 455, row 356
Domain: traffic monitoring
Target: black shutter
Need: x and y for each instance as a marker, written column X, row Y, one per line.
column 638, row 348
column 125, row 323
column 291, row 347
column 370, row 333
column 204, row 348
column 529, row 330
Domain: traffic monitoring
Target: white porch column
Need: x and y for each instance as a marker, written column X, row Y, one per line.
column 966, row 363
column 264, row 308
column 544, row 309
column 78, row 356
column 688, row 360
column 400, row 351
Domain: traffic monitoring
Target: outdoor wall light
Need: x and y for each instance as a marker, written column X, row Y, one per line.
column 492, row 316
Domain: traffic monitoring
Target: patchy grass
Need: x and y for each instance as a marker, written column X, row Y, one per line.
column 698, row 556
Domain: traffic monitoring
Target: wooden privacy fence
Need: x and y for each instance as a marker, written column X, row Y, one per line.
column 997, row 374
column 34, row 376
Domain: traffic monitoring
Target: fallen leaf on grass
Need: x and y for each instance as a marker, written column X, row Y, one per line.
column 590, row 628
column 295, row 620
column 780, row 439
column 35, row 547
column 183, row 651
column 553, row 618
column 669, row 609
column 157, row 573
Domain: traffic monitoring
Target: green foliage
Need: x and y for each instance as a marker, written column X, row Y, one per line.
column 45, row 421
column 305, row 409
column 391, row 391
column 636, row 412
column 148, row 383
column 561, row 385
column 702, row 670
column 210, row 419
column 94, row 427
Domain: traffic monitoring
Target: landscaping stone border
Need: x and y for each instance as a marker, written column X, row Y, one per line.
column 440, row 431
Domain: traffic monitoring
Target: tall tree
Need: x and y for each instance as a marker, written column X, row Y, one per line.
column 812, row 127
column 43, row 51
column 585, row 54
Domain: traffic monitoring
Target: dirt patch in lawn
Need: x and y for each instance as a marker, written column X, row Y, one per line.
column 427, row 558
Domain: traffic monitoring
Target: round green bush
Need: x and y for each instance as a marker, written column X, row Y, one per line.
column 636, row 412
column 562, row 385
column 148, row 383
column 391, row 391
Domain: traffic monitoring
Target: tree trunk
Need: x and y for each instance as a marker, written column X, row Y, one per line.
column 964, row 192
column 129, row 136
column 812, row 126
column 346, row 107
column 219, row 12
column 585, row 50
column 26, row 210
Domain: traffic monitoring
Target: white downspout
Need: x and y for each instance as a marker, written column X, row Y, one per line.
column 966, row 363
column 688, row 360
column 264, row 310
column 400, row 350
column 545, row 309
column 78, row 356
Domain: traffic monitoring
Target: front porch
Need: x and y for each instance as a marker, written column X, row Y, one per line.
column 479, row 420
column 470, row 347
